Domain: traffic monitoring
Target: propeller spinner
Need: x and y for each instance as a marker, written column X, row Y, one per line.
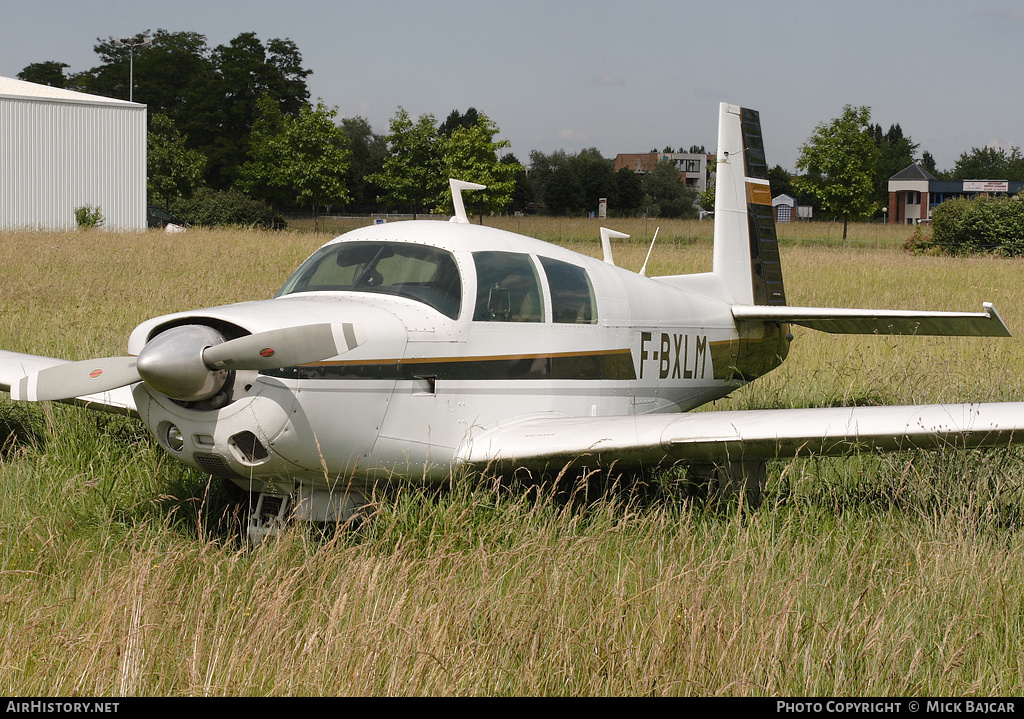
column 190, row 363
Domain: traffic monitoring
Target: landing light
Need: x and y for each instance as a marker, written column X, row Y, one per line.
column 173, row 438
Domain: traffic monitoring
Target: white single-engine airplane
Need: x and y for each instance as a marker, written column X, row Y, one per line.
column 419, row 348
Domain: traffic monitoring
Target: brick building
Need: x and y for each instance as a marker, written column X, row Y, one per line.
column 914, row 193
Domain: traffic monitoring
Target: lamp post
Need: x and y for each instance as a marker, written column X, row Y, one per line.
column 131, row 43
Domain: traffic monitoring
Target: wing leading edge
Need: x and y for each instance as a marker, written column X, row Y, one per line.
column 702, row 437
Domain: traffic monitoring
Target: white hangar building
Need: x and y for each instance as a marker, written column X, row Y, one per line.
column 60, row 150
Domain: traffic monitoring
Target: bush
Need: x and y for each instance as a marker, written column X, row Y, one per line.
column 980, row 225
column 919, row 243
column 213, row 208
column 88, row 216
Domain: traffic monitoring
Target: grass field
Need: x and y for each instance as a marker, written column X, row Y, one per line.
column 641, row 230
column 888, row 576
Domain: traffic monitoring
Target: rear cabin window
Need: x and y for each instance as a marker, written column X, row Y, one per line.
column 572, row 295
column 507, row 288
column 418, row 272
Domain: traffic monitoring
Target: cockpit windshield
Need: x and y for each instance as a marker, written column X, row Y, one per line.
column 421, row 273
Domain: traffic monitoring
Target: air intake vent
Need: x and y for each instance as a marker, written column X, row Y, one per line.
column 214, row 464
column 251, row 449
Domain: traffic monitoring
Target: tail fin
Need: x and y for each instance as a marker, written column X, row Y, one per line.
column 746, row 255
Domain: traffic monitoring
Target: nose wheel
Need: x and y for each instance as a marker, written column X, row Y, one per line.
column 268, row 517
column 270, row 513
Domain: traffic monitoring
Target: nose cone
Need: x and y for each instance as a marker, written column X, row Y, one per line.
column 172, row 363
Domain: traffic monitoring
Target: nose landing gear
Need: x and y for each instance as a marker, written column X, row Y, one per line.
column 273, row 511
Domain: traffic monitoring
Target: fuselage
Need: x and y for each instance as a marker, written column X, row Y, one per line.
column 467, row 328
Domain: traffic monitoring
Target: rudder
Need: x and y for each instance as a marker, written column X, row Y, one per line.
column 746, row 254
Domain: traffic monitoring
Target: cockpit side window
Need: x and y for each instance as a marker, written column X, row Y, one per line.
column 418, row 272
column 572, row 295
column 507, row 288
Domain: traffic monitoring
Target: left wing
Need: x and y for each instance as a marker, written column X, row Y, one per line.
column 701, row 437
column 16, row 367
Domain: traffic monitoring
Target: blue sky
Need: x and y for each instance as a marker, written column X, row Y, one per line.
column 619, row 76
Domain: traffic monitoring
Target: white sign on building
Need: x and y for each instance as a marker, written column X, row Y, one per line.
column 986, row 186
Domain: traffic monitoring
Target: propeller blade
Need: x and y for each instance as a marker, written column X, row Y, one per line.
column 74, row 379
column 285, row 347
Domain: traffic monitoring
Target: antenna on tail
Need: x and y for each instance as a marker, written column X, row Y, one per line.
column 642, row 269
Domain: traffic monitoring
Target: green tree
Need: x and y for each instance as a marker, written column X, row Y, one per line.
column 990, row 163
column 781, row 181
column 169, row 72
column 300, row 160
column 211, row 95
column 411, row 174
column 522, row 195
column 261, row 175
column 596, row 175
column 173, row 171
column 628, row 196
column 368, row 151
column 246, row 71
column 928, row 163
column 666, row 195
column 457, row 119
column 470, row 153
column 839, row 161
column 563, row 191
column 49, row 73
column 542, row 169
column 706, row 199
column 572, row 183
column 317, row 157
column 895, row 153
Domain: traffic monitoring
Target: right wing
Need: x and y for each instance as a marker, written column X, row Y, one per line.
column 703, row 437
column 15, row 368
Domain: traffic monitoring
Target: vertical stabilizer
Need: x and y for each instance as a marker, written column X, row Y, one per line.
column 746, row 248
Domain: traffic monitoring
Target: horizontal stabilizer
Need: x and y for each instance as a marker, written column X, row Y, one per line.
column 701, row 437
column 987, row 323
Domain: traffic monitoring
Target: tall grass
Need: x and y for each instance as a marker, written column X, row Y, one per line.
column 121, row 574
column 641, row 230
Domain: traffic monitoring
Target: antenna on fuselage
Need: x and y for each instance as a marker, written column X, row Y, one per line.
column 606, row 243
column 642, row 269
column 460, row 208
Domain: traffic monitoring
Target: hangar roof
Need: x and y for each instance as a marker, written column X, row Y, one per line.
column 19, row 89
